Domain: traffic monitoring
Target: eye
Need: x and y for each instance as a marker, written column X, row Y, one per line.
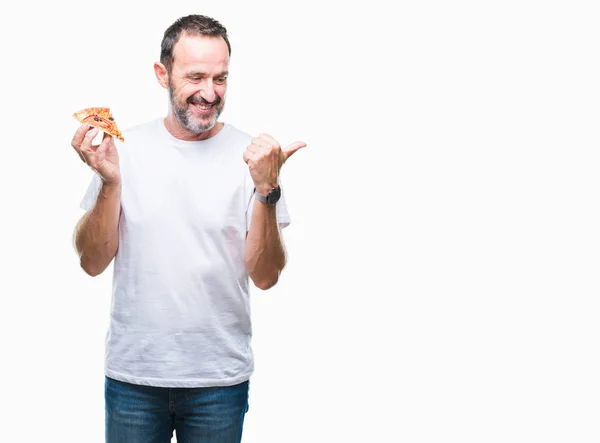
column 220, row 80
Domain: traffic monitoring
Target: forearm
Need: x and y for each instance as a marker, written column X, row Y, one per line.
column 264, row 253
column 97, row 234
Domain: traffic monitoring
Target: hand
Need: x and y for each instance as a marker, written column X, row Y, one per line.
column 102, row 158
column 265, row 157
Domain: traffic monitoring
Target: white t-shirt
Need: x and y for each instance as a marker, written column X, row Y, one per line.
column 180, row 314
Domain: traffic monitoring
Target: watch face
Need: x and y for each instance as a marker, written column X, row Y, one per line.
column 274, row 195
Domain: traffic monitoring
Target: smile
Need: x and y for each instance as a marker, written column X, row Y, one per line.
column 203, row 109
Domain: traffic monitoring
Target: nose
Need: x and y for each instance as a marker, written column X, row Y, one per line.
column 208, row 91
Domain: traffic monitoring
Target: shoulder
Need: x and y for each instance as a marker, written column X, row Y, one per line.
column 142, row 130
column 236, row 136
column 138, row 135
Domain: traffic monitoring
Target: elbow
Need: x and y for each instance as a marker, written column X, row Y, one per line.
column 94, row 262
column 266, row 274
column 90, row 269
column 266, row 280
column 266, row 283
column 92, row 272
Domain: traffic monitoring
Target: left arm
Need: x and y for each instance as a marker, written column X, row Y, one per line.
column 264, row 253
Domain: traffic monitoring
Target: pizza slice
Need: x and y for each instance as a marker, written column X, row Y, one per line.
column 100, row 118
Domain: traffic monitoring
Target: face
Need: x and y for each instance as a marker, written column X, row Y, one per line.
column 198, row 81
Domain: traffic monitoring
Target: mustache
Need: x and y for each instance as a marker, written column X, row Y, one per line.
column 199, row 100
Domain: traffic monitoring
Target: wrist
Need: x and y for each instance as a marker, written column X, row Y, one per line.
column 111, row 188
column 263, row 189
column 115, row 183
column 270, row 197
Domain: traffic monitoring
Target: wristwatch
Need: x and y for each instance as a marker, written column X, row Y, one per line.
column 271, row 198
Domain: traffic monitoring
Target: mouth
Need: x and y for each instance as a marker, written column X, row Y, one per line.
column 202, row 109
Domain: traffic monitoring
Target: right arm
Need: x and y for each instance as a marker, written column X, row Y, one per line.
column 96, row 235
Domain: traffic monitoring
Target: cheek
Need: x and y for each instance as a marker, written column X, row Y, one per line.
column 185, row 91
column 221, row 90
column 186, row 94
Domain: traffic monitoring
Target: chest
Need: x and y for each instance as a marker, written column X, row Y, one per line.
column 177, row 192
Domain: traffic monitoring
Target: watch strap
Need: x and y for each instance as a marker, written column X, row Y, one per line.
column 261, row 198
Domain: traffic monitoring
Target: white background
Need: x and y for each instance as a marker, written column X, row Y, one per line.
column 442, row 283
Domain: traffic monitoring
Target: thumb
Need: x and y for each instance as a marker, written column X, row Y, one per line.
column 287, row 152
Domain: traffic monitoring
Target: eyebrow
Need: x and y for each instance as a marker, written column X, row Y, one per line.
column 203, row 74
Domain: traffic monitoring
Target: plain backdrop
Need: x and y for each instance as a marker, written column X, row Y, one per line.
column 442, row 282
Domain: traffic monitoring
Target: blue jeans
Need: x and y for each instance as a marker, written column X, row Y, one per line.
column 146, row 414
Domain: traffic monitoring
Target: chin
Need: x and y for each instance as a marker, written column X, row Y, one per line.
column 199, row 128
column 199, row 125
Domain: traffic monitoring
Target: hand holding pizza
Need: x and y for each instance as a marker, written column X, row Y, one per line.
column 265, row 158
column 102, row 158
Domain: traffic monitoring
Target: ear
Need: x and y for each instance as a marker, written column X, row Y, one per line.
column 161, row 74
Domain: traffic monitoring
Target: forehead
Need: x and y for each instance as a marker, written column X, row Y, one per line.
column 200, row 52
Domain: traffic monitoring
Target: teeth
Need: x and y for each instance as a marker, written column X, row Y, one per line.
column 203, row 107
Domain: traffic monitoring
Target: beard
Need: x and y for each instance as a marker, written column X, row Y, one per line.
column 186, row 117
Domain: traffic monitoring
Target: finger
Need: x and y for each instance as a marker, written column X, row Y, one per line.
column 268, row 139
column 261, row 143
column 253, row 148
column 79, row 134
column 105, row 136
column 102, row 147
column 78, row 139
column 86, row 145
column 81, row 156
column 287, row 152
column 249, row 157
column 89, row 137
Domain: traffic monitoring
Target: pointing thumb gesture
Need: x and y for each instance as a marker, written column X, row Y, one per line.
column 264, row 157
column 287, row 152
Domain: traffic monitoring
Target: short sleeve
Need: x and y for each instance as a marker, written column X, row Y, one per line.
column 91, row 195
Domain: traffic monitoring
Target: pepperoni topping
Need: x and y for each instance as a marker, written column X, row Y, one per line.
column 96, row 120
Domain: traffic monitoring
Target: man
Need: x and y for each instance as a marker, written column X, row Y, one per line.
column 189, row 207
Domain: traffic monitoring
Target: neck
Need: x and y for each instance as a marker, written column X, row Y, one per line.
column 176, row 130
